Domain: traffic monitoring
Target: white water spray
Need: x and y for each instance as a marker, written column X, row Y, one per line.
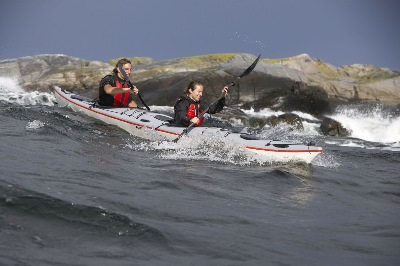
column 11, row 92
column 250, row 44
column 373, row 125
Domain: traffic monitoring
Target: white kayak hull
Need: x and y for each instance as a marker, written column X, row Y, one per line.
column 154, row 126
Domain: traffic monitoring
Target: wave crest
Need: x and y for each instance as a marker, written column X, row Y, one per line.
column 11, row 92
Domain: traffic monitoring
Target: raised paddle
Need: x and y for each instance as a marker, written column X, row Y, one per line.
column 233, row 83
column 130, row 84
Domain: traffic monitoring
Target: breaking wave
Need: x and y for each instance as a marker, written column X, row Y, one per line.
column 372, row 124
column 11, row 92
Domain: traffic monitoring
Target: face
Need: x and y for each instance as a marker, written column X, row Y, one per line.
column 196, row 93
column 127, row 67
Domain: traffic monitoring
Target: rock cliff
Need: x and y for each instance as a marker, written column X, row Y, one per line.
column 295, row 83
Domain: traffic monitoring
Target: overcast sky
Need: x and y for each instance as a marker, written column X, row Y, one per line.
column 339, row 32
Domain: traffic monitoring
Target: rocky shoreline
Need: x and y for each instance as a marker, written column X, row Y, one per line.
column 299, row 83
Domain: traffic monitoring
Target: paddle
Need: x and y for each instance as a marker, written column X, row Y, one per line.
column 233, row 83
column 131, row 85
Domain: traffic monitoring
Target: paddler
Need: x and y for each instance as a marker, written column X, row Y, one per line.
column 114, row 90
column 189, row 108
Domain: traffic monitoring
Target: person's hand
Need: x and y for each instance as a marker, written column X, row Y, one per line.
column 225, row 91
column 195, row 120
column 135, row 90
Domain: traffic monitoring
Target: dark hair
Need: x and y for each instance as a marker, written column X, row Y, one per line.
column 191, row 86
column 121, row 62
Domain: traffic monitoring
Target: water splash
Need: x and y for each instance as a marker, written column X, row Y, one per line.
column 248, row 42
column 370, row 124
column 11, row 92
column 205, row 147
column 285, row 131
column 327, row 160
column 209, row 148
column 35, row 124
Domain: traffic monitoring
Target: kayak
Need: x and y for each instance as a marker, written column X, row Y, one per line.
column 155, row 126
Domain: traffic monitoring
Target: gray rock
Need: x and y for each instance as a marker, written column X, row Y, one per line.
column 42, row 72
column 298, row 83
column 287, row 118
column 331, row 127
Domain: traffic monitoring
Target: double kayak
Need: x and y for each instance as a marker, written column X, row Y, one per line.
column 155, row 126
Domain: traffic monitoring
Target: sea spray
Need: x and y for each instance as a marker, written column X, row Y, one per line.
column 370, row 124
column 249, row 44
column 285, row 131
column 11, row 92
column 210, row 148
column 35, row 124
column 206, row 147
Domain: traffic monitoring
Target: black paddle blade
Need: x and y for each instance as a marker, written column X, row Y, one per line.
column 125, row 75
column 250, row 68
column 123, row 72
column 130, row 84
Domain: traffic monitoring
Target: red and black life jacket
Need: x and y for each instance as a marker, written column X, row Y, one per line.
column 118, row 100
column 194, row 111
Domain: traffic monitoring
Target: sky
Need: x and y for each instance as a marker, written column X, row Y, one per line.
column 338, row 32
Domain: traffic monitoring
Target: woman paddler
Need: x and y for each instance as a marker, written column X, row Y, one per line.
column 189, row 108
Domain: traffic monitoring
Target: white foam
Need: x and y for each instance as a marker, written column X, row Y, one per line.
column 305, row 116
column 373, row 125
column 204, row 147
column 352, row 144
column 311, row 124
column 393, row 147
column 266, row 112
column 11, row 92
column 35, row 124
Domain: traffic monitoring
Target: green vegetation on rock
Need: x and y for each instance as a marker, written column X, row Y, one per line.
column 134, row 60
column 327, row 71
column 275, row 60
column 368, row 74
column 203, row 61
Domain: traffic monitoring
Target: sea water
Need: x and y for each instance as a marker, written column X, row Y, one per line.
column 75, row 191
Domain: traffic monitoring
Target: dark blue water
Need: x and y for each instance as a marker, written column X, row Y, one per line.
column 74, row 191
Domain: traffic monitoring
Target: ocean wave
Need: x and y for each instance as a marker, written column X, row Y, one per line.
column 370, row 123
column 89, row 218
